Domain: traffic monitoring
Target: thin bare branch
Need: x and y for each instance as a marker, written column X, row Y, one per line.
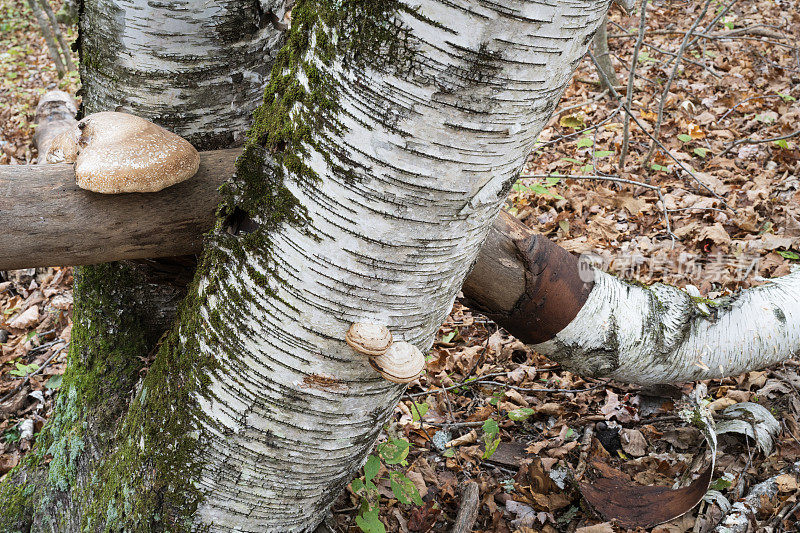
column 631, row 76
column 59, row 36
column 758, row 141
column 668, row 85
column 683, row 167
column 48, row 37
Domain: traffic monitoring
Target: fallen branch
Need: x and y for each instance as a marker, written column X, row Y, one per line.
column 664, row 211
column 758, row 141
column 523, row 281
column 592, row 323
column 48, row 220
column 739, row 518
column 468, row 511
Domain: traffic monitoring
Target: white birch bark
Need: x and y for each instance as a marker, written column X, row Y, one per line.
column 436, row 151
column 196, row 68
column 661, row 334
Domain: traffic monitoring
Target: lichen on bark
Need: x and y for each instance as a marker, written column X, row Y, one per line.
column 113, row 326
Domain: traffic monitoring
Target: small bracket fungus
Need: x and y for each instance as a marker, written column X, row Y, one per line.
column 369, row 339
column 117, row 153
column 402, row 363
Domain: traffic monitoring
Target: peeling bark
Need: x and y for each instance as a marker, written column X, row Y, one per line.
column 661, row 334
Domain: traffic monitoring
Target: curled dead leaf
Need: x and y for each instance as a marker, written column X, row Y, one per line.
column 642, row 506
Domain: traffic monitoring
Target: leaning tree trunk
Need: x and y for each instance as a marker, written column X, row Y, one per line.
column 199, row 71
column 389, row 136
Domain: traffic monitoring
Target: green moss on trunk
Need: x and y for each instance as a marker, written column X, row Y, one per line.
column 133, row 466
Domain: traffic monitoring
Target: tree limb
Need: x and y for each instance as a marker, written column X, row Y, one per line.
column 526, row 283
column 48, row 220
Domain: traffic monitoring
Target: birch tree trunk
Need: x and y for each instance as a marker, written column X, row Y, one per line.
column 389, row 136
column 199, row 71
column 598, row 325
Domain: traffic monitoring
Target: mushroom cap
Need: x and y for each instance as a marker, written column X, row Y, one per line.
column 402, row 363
column 64, row 147
column 118, row 153
column 369, row 339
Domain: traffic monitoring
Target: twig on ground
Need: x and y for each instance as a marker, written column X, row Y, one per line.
column 586, row 444
column 44, row 346
column 29, row 376
column 744, row 512
column 450, row 416
column 600, row 96
column 531, row 389
column 756, row 39
column 573, row 134
column 498, row 384
column 711, row 24
column 482, row 355
column 665, row 94
column 760, row 97
column 640, row 76
column 757, row 141
column 419, row 416
column 455, row 424
column 655, row 188
column 787, row 511
column 705, row 67
column 677, row 209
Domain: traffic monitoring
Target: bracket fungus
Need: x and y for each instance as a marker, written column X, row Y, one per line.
column 402, row 363
column 118, row 153
column 369, row 339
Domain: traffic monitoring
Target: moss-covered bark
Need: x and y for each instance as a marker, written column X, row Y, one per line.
column 117, row 320
column 85, row 472
column 358, row 154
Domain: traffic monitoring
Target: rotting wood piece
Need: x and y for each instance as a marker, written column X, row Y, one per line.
column 468, row 511
column 545, row 279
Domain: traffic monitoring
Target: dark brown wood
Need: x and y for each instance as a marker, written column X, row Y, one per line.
column 468, row 511
column 524, row 282
column 45, row 219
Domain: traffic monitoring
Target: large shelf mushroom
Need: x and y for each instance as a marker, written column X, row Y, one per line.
column 118, row 153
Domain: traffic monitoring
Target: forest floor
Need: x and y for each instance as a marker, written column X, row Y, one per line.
column 717, row 206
